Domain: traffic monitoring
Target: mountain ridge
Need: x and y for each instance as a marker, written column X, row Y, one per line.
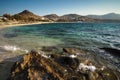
column 27, row 16
column 113, row 16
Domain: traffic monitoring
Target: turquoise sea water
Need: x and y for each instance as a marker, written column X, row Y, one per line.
column 81, row 35
column 90, row 36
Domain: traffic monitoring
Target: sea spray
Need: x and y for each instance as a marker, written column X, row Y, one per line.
column 86, row 67
column 43, row 54
column 13, row 48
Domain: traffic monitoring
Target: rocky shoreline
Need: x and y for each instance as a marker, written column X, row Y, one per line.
column 62, row 64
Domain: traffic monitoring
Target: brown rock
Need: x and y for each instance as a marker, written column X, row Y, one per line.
column 71, row 50
column 35, row 67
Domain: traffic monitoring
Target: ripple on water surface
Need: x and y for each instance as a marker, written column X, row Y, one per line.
column 63, row 34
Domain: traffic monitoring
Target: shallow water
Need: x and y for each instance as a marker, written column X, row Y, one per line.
column 84, row 35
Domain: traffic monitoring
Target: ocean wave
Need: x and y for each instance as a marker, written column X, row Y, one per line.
column 13, row 48
column 114, row 46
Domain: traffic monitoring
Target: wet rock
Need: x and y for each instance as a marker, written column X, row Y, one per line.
column 109, row 74
column 113, row 51
column 68, row 61
column 71, row 50
column 49, row 49
column 74, row 78
column 33, row 66
column 55, row 56
column 94, row 76
column 74, row 51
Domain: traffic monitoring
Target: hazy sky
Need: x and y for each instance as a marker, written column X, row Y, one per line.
column 43, row 7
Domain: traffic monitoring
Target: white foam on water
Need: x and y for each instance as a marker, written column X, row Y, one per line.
column 102, row 68
column 11, row 48
column 112, row 45
column 43, row 55
column 102, row 51
column 77, row 53
column 86, row 67
column 26, row 50
column 73, row 56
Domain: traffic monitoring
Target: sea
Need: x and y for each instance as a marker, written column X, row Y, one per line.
column 88, row 36
column 83, row 35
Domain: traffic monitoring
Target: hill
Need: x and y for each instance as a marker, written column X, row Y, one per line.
column 52, row 17
column 112, row 16
column 70, row 16
column 28, row 16
column 25, row 16
column 75, row 18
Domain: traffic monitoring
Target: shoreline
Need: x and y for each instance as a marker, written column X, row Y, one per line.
column 18, row 24
column 4, row 25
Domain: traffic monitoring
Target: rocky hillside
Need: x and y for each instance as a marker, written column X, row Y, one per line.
column 70, row 64
column 112, row 16
column 70, row 18
column 52, row 17
column 85, row 19
column 28, row 16
column 79, row 18
column 25, row 16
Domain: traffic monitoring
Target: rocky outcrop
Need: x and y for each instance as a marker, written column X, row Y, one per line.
column 35, row 66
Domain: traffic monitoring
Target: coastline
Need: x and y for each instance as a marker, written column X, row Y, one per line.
column 21, row 24
column 8, row 59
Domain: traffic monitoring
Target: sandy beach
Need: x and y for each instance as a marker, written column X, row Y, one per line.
column 19, row 24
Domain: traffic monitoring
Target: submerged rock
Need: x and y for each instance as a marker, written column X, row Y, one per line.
column 10, row 35
column 34, row 66
column 49, row 49
column 113, row 51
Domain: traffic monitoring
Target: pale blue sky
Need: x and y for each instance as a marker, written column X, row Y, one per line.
column 60, row 7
